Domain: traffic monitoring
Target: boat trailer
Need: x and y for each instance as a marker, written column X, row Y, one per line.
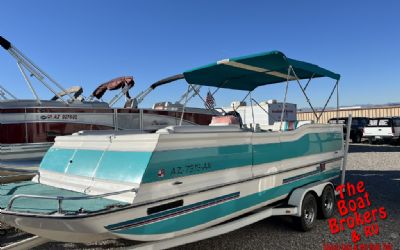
column 294, row 203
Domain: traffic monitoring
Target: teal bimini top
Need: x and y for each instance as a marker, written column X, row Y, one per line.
column 250, row 72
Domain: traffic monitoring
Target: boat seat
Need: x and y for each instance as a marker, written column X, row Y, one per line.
column 301, row 123
column 289, row 125
column 198, row 129
column 49, row 206
column 224, row 120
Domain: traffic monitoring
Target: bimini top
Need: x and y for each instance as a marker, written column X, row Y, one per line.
column 250, row 72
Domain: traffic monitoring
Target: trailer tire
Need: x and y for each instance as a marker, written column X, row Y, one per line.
column 327, row 203
column 308, row 213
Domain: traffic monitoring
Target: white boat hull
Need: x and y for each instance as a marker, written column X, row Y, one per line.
column 191, row 180
column 89, row 229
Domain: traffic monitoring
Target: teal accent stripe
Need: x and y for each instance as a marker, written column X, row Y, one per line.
column 184, row 162
column 170, row 212
column 308, row 144
column 206, row 215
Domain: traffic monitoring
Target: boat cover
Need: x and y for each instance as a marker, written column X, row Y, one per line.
column 114, row 84
column 250, row 72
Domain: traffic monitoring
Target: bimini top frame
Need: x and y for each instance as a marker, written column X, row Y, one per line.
column 250, row 72
column 5, row 94
column 67, row 96
column 24, row 63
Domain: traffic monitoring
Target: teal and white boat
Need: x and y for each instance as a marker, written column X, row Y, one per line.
column 180, row 179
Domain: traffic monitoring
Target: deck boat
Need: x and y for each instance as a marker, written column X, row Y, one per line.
column 180, row 179
column 28, row 127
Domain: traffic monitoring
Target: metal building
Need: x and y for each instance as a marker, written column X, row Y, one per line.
column 374, row 111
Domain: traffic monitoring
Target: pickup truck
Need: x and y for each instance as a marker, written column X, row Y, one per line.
column 382, row 128
column 357, row 126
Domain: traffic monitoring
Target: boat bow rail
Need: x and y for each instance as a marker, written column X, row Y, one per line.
column 36, row 199
column 60, row 199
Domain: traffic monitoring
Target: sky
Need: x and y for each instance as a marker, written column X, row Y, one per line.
column 90, row 42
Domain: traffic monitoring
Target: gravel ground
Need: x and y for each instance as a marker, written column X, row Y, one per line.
column 377, row 165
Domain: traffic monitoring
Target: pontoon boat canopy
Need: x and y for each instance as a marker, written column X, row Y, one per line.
column 250, row 72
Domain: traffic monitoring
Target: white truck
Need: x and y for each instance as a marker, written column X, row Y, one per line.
column 382, row 128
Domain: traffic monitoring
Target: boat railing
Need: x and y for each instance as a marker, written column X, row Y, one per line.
column 60, row 199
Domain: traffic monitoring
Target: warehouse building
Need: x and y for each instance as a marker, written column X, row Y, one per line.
column 358, row 111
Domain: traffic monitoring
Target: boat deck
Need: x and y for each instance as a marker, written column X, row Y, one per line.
column 44, row 206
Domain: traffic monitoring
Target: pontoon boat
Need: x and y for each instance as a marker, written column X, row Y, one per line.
column 28, row 127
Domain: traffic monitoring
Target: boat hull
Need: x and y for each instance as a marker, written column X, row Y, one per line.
column 186, row 180
column 200, row 210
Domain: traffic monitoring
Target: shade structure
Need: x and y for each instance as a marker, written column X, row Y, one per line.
column 252, row 71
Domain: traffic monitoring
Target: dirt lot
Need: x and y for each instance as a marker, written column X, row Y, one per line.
column 377, row 165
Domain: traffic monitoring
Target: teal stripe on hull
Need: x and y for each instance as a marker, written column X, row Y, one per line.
column 209, row 214
column 184, row 162
column 169, row 212
column 309, row 144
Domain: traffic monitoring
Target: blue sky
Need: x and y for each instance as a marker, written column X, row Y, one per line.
column 89, row 42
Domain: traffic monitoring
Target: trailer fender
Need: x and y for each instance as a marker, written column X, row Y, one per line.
column 297, row 196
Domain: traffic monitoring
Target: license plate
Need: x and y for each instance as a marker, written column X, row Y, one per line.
column 378, row 137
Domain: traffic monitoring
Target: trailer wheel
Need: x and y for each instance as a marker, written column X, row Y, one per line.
column 308, row 213
column 327, row 203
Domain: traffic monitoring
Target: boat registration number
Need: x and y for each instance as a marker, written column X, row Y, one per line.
column 191, row 169
column 59, row 117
